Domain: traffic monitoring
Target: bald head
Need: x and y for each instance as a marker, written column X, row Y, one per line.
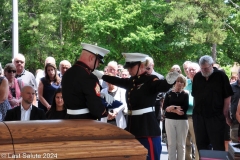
column 26, row 87
column 89, row 59
column 27, row 94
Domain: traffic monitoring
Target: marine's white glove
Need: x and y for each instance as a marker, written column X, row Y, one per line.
column 172, row 77
column 109, row 99
column 98, row 74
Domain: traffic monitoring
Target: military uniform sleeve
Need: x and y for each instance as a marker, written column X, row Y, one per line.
column 160, row 85
column 120, row 82
column 91, row 89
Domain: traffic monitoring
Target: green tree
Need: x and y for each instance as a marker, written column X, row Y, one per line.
column 169, row 31
column 5, row 32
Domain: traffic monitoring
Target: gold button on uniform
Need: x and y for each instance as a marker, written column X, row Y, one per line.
column 129, row 112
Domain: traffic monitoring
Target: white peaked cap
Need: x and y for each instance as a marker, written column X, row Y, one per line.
column 135, row 57
column 100, row 52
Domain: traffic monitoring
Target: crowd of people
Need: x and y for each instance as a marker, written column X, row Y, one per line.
column 199, row 108
column 45, row 84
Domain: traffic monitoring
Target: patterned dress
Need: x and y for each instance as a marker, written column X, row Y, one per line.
column 4, row 106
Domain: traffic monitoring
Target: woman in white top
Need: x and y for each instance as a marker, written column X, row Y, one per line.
column 116, row 115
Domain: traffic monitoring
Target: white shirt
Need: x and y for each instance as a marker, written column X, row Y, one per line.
column 39, row 75
column 25, row 114
column 120, row 96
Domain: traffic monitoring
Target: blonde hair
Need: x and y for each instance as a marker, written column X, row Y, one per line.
column 146, row 63
column 150, row 60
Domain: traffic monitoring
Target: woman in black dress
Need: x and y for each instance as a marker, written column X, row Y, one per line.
column 57, row 111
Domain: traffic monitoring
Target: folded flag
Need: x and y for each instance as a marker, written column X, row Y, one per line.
column 115, row 104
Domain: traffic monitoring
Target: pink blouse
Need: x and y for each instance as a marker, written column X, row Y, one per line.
column 17, row 91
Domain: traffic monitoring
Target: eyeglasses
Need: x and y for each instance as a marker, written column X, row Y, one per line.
column 11, row 71
column 19, row 62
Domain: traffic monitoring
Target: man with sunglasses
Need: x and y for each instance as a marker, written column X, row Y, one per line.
column 23, row 75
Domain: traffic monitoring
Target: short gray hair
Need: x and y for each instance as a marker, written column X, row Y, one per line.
column 66, row 62
column 113, row 64
column 19, row 55
column 195, row 65
column 206, row 59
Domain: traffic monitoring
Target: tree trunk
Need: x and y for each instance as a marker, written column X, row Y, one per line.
column 214, row 52
column 60, row 31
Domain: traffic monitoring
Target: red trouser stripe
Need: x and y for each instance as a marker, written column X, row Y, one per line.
column 151, row 148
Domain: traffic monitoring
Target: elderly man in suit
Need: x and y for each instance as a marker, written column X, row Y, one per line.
column 26, row 111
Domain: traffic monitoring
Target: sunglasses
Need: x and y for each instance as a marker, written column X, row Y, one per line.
column 11, row 71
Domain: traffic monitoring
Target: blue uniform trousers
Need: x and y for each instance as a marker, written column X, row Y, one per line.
column 153, row 145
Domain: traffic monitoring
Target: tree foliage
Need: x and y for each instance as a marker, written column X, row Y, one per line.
column 170, row 32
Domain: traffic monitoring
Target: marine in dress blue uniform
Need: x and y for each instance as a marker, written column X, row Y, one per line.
column 81, row 88
column 141, row 93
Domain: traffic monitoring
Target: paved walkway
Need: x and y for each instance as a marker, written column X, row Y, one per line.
column 164, row 155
